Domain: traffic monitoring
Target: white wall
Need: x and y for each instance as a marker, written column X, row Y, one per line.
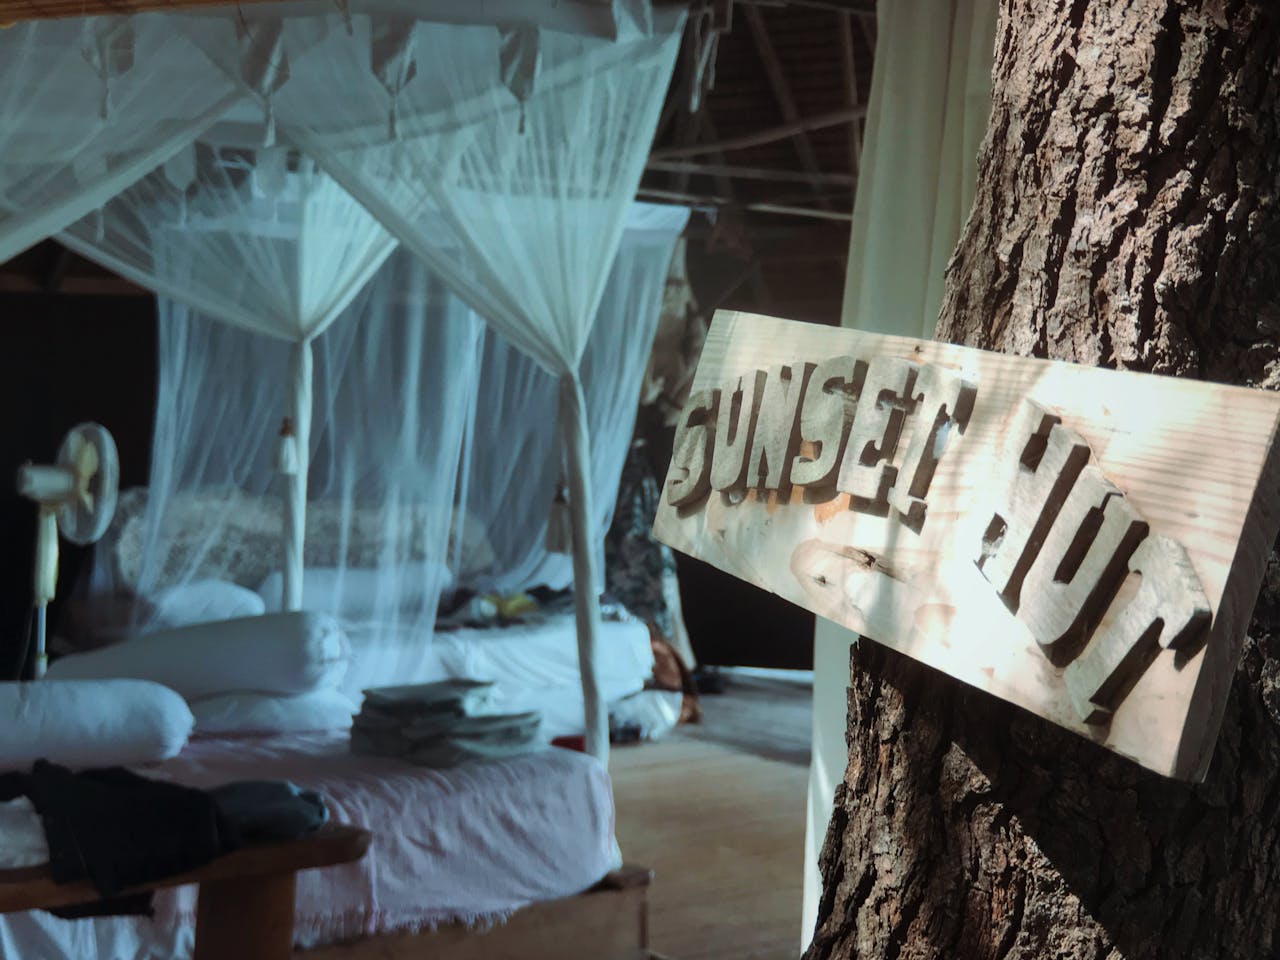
column 930, row 98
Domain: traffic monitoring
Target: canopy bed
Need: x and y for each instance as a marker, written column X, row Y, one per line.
column 405, row 305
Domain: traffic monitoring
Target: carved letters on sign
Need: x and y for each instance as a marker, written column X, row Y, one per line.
column 1057, row 549
column 1084, row 543
column 941, row 401
column 749, row 434
column 830, row 398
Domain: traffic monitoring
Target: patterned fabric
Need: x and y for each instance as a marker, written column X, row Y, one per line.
column 637, row 566
column 247, row 547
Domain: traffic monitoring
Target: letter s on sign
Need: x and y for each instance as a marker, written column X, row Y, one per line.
column 689, row 479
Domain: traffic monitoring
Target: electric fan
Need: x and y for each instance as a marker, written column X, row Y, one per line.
column 76, row 496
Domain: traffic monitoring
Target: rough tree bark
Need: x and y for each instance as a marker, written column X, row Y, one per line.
column 1128, row 214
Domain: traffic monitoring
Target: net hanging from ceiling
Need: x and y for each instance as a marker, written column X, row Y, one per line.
column 505, row 158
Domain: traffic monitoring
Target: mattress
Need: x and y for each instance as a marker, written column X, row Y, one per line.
column 533, row 665
column 470, row 844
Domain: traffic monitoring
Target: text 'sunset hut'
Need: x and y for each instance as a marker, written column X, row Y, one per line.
column 1059, row 544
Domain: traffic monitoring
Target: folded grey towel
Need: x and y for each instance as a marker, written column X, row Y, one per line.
column 444, row 741
column 458, row 698
column 263, row 810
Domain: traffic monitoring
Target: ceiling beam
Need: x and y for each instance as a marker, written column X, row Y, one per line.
column 60, row 258
column 687, row 127
column 858, row 8
column 868, row 26
column 706, row 122
column 715, row 200
column 769, row 135
column 12, row 11
column 73, row 286
column 749, row 270
column 844, row 24
column 736, row 172
column 777, row 234
column 777, row 78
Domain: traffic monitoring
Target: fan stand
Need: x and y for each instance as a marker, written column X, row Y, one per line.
column 45, row 582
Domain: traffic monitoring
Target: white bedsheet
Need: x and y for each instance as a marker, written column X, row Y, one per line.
column 534, row 665
column 472, row 844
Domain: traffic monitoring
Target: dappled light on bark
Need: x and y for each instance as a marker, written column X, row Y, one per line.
column 1127, row 215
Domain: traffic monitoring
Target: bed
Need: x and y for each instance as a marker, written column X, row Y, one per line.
column 533, row 662
column 453, row 850
column 520, row 847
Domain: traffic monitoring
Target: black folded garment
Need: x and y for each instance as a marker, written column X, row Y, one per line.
column 266, row 811
column 117, row 829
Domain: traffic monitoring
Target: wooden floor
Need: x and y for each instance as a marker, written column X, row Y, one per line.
column 718, row 811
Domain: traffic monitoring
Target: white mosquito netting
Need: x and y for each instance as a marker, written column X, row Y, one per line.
column 394, row 378
column 413, row 399
column 89, row 106
column 504, row 157
column 509, row 485
column 484, row 177
column 257, row 238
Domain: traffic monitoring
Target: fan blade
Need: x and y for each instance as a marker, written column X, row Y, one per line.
column 87, row 460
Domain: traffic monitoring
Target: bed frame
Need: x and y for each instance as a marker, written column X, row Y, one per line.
column 246, row 911
column 608, row 922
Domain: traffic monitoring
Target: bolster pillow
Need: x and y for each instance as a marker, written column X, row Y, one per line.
column 201, row 601
column 239, row 714
column 278, row 653
column 90, row 723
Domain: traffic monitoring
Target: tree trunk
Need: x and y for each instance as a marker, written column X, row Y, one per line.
column 1127, row 215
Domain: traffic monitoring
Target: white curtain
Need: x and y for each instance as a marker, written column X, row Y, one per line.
column 505, row 157
column 397, row 377
column 394, row 377
column 927, row 114
column 258, row 238
column 88, row 107
column 513, row 467
column 512, row 184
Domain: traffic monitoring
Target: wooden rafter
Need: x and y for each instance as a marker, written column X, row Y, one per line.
column 722, row 200
column 736, row 172
column 759, row 286
column 844, row 23
column 778, row 233
column 12, row 11
column 857, row 8
column 868, row 27
column 782, row 93
column 88, row 286
column 57, row 270
column 769, row 135
column 688, row 126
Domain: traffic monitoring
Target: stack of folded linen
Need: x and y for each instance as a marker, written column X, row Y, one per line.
column 441, row 724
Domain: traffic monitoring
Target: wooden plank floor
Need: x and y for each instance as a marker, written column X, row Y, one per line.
column 721, row 821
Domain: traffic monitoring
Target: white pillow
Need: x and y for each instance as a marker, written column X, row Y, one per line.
column 90, row 723
column 277, row 653
column 353, row 592
column 246, row 713
column 202, row 601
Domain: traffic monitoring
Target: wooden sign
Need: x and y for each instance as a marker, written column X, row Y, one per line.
column 1085, row 543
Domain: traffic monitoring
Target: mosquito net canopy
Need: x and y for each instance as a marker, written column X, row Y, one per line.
column 256, row 169
column 433, row 452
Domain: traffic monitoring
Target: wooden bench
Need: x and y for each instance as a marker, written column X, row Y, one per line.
column 245, row 905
